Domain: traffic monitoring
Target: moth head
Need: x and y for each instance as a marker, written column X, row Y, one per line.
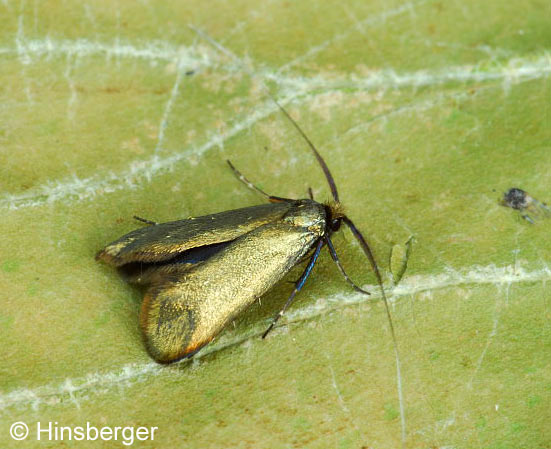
column 335, row 214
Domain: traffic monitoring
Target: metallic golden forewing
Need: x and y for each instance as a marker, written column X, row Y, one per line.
column 164, row 241
column 184, row 311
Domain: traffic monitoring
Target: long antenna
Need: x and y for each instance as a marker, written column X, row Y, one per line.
column 367, row 250
column 333, row 253
column 250, row 185
column 357, row 234
column 232, row 55
column 324, row 166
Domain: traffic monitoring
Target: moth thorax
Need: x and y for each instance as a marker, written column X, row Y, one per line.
column 307, row 214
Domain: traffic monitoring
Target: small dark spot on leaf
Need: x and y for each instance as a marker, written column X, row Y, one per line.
column 112, row 90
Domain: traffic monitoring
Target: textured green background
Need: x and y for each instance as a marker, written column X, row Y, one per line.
column 426, row 111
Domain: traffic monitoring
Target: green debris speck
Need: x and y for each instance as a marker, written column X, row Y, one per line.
column 11, row 266
column 391, row 412
column 534, row 401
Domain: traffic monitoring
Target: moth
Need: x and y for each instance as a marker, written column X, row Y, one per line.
column 201, row 273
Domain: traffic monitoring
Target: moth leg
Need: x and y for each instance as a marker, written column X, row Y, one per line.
column 341, row 269
column 298, row 286
column 144, row 220
column 250, row 185
column 528, row 218
column 310, row 193
column 304, row 258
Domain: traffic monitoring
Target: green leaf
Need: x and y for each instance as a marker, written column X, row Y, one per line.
column 425, row 111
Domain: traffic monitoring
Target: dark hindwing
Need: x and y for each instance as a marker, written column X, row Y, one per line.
column 146, row 273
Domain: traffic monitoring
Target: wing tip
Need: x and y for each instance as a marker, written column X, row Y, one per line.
column 158, row 346
column 167, row 358
column 107, row 257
